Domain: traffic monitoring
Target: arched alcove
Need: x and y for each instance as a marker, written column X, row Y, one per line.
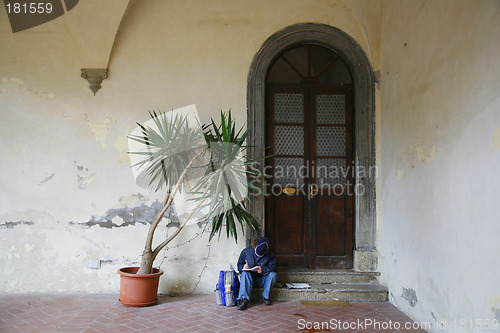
column 364, row 121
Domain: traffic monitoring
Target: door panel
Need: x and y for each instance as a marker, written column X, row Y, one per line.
column 286, row 213
column 289, row 230
column 333, row 156
column 309, row 209
column 331, row 214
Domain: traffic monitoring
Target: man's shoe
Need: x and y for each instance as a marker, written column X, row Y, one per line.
column 265, row 300
column 242, row 304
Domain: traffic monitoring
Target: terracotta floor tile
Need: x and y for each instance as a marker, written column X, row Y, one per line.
column 91, row 313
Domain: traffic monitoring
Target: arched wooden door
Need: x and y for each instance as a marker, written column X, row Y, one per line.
column 309, row 135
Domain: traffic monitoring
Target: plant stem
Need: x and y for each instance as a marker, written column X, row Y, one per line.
column 148, row 256
column 169, row 239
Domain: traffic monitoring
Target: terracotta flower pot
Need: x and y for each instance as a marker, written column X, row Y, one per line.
column 138, row 290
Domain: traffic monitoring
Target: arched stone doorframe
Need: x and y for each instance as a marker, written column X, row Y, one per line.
column 364, row 128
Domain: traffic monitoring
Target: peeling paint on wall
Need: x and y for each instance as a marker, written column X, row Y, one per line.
column 495, row 306
column 84, row 182
column 410, row 295
column 12, row 224
column 84, row 178
column 496, row 140
column 46, row 179
column 125, row 216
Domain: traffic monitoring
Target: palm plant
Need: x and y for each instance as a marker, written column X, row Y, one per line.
column 175, row 155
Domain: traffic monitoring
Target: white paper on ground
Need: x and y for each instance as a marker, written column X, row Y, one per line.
column 297, row 285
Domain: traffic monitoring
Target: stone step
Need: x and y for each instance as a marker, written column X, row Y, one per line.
column 350, row 292
column 327, row 276
column 327, row 284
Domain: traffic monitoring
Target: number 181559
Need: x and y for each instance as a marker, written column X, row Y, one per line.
column 29, row 8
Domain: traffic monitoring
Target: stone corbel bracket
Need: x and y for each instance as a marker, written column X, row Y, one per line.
column 95, row 77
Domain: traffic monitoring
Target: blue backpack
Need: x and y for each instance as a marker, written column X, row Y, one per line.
column 223, row 297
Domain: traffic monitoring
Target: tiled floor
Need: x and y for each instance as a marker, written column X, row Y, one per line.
column 192, row 313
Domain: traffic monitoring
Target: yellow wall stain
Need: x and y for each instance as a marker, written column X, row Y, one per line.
column 121, row 145
column 100, row 130
column 495, row 306
column 495, row 301
column 496, row 140
column 16, row 80
column 426, row 158
column 132, row 200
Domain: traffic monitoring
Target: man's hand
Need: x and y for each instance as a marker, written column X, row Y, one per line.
column 246, row 265
column 259, row 270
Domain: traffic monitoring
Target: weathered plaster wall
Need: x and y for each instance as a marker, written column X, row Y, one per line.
column 67, row 192
column 439, row 160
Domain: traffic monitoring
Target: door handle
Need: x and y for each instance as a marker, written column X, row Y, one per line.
column 313, row 190
column 289, row 190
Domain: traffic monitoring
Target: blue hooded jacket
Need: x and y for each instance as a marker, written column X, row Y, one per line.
column 268, row 262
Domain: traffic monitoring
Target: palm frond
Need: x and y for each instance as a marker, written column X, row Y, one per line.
column 169, row 145
column 228, row 165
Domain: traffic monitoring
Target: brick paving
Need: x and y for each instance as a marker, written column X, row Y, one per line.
column 191, row 313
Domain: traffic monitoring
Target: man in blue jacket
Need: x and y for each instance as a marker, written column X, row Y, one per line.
column 257, row 266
